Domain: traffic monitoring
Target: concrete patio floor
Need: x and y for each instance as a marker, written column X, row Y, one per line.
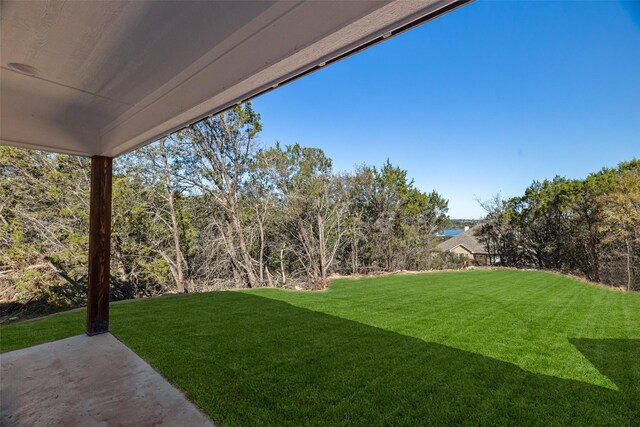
column 88, row 381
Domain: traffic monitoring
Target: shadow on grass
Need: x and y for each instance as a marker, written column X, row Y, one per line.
column 619, row 360
column 249, row 360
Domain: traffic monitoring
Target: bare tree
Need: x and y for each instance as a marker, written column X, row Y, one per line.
column 314, row 205
column 156, row 166
column 223, row 147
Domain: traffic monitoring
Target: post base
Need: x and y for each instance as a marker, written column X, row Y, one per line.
column 98, row 327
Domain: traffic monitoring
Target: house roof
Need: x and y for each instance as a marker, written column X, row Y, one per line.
column 467, row 239
column 103, row 78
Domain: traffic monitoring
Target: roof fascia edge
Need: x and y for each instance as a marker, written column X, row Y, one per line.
column 377, row 38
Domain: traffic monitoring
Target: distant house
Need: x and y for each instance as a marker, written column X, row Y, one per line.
column 467, row 245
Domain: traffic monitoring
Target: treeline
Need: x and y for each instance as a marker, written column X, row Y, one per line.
column 207, row 208
column 589, row 227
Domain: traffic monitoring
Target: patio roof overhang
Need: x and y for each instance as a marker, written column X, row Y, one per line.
column 103, row 78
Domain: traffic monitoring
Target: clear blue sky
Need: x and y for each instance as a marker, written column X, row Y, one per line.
column 480, row 101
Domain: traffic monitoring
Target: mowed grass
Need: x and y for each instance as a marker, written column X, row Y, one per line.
column 468, row 348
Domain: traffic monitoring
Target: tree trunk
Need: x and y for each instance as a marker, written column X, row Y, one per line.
column 261, row 260
column 175, row 229
column 322, row 247
column 269, row 281
column 120, row 263
column 284, row 279
column 247, row 262
column 427, row 250
column 227, row 236
column 354, row 254
column 629, row 273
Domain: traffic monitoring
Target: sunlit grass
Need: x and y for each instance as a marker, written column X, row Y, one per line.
column 520, row 317
column 482, row 347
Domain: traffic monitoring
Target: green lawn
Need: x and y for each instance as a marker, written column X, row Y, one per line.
column 469, row 348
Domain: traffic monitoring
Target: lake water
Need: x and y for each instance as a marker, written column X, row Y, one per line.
column 451, row 232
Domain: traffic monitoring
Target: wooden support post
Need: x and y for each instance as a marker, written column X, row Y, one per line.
column 99, row 246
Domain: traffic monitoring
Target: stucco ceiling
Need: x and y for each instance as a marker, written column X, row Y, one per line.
column 103, row 78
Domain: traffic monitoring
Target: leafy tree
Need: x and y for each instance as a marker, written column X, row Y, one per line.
column 44, row 226
column 621, row 222
column 577, row 226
